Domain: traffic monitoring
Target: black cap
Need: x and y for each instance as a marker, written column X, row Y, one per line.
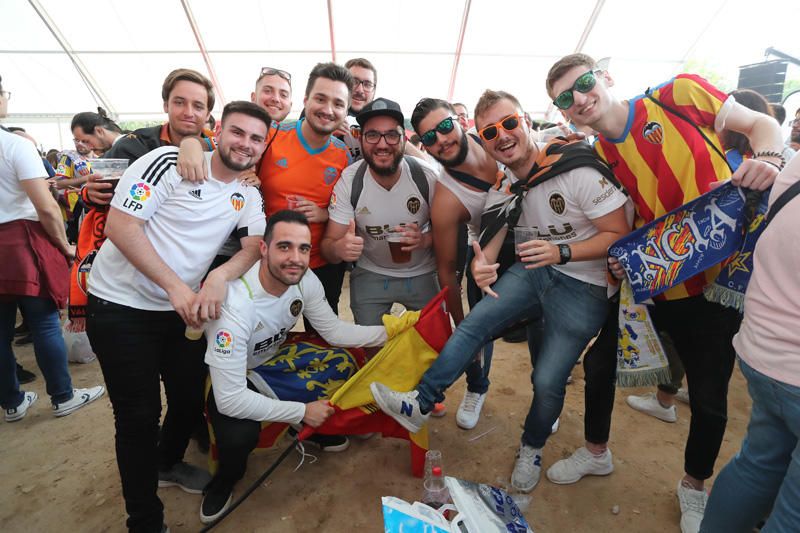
column 381, row 107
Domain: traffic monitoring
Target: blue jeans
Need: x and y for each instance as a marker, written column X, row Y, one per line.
column 41, row 316
column 766, row 471
column 478, row 371
column 572, row 312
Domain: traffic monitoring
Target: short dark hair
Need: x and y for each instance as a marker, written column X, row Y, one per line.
column 489, row 98
column 186, row 74
column 779, row 112
column 333, row 72
column 246, row 108
column 425, row 106
column 88, row 121
column 284, row 215
column 363, row 63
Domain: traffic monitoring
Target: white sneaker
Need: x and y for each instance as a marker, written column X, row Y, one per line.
column 649, row 404
column 527, row 468
column 682, row 395
column 693, row 506
column 80, row 398
column 581, row 463
column 18, row 413
column 402, row 406
column 469, row 411
column 556, row 425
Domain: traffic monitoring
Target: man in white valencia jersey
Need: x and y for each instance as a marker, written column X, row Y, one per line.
column 163, row 233
column 377, row 217
column 260, row 309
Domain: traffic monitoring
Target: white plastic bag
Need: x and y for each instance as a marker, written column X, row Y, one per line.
column 78, row 348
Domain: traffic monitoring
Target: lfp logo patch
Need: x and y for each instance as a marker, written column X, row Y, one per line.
column 222, row 342
column 330, row 175
column 237, row 201
column 140, row 192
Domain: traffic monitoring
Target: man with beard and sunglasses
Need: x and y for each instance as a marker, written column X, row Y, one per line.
column 469, row 172
column 665, row 149
column 163, row 233
column 561, row 195
column 379, row 213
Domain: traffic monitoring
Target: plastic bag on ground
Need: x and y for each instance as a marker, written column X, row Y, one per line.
column 78, row 348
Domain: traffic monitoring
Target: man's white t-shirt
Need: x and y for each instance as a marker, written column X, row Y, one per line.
column 185, row 222
column 561, row 210
column 253, row 326
column 378, row 211
column 19, row 161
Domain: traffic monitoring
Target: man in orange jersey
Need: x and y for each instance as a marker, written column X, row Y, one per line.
column 654, row 145
column 305, row 161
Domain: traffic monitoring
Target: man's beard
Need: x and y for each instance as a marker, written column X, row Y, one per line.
column 461, row 156
column 383, row 171
column 275, row 271
column 228, row 162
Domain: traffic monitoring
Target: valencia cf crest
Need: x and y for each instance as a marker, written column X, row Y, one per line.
column 653, row 132
column 83, row 271
column 413, row 204
column 557, row 203
column 296, row 307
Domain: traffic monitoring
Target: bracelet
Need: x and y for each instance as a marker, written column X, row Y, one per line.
column 770, row 153
column 779, row 168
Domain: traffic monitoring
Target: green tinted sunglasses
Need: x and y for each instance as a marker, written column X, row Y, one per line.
column 444, row 127
column 583, row 84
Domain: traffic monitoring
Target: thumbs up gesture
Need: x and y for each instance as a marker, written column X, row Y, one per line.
column 483, row 273
column 351, row 245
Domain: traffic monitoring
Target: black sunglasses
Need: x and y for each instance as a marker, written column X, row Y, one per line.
column 269, row 71
column 444, row 127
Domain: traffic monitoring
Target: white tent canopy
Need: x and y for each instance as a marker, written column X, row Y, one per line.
column 60, row 57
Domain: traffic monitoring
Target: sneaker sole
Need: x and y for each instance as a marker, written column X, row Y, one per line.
column 575, row 480
column 524, row 489
column 19, row 416
column 71, row 410
column 385, row 408
column 654, row 415
column 463, row 425
column 208, row 519
column 163, row 483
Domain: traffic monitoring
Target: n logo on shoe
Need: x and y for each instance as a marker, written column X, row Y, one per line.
column 406, row 409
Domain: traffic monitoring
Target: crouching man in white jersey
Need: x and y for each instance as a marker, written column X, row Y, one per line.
column 260, row 309
column 163, row 233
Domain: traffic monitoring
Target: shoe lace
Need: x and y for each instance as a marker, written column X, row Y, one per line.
column 527, row 457
column 471, row 400
column 301, row 449
column 694, row 502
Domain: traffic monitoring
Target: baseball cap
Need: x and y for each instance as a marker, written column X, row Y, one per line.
column 380, row 107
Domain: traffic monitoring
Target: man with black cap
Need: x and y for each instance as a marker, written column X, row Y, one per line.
column 379, row 218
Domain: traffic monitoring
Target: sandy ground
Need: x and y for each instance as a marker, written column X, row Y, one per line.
column 61, row 475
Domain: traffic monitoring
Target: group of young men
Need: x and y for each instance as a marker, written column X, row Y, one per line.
column 191, row 244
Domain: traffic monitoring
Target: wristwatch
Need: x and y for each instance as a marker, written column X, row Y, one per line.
column 565, row 252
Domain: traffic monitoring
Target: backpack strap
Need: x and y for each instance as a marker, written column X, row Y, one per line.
column 358, row 183
column 785, row 197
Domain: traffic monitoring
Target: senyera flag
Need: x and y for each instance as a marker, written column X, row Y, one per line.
column 307, row 369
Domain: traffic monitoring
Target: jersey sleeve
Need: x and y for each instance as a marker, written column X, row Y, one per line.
column 696, row 98
column 340, row 210
column 335, row 331
column 595, row 195
column 147, row 183
column 253, row 222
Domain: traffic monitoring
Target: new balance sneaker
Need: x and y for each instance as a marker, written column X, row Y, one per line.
column 217, row 499
column 80, row 398
column 527, row 468
column 581, row 463
column 189, row 478
column 469, row 411
column 402, row 406
column 693, row 506
column 439, row 410
column 682, row 395
column 18, row 413
column 649, row 404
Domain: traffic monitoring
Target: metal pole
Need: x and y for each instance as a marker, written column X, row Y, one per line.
column 201, row 45
column 459, row 45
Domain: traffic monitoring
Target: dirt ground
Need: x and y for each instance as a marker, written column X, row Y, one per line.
column 60, row 475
